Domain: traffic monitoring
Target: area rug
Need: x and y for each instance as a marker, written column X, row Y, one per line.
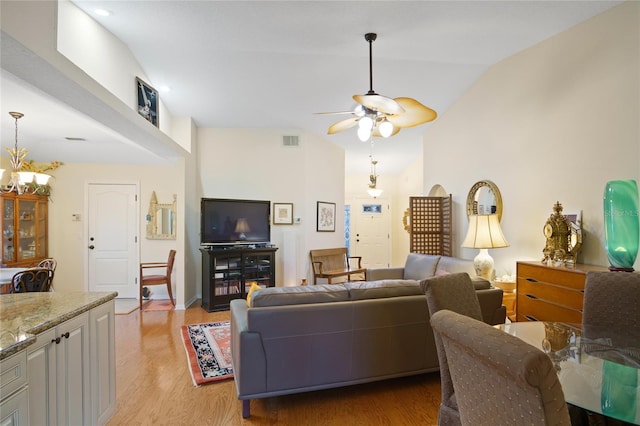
column 208, row 347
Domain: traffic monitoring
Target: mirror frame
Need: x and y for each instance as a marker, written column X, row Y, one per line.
column 152, row 227
column 471, row 207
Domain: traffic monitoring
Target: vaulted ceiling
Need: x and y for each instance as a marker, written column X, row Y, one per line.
column 274, row 64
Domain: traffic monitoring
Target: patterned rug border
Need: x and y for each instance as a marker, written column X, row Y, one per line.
column 195, row 333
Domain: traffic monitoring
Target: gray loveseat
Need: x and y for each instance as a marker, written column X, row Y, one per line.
column 305, row 338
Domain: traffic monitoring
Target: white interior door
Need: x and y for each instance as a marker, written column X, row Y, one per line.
column 370, row 224
column 113, row 238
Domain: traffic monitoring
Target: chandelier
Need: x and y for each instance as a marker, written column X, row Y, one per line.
column 23, row 181
column 373, row 180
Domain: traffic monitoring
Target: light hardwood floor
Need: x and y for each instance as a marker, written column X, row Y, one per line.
column 154, row 387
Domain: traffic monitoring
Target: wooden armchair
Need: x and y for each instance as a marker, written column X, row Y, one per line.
column 158, row 279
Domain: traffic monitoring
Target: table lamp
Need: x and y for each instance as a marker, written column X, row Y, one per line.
column 484, row 233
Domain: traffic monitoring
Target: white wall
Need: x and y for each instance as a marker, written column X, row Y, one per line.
column 253, row 164
column 67, row 239
column 552, row 123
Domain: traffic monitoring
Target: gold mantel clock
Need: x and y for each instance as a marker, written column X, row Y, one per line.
column 563, row 239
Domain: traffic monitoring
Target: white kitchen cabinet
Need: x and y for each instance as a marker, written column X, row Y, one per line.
column 59, row 374
column 103, row 363
column 14, row 402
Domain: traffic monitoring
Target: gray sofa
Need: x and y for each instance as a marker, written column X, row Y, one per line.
column 305, row 338
column 421, row 266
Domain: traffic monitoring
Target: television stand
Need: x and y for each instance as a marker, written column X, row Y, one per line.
column 226, row 272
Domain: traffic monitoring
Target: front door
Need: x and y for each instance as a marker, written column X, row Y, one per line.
column 112, row 240
column 369, row 233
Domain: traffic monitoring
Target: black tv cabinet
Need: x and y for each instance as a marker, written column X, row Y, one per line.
column 226, row 272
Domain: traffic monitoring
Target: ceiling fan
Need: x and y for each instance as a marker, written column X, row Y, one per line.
column 377, row 115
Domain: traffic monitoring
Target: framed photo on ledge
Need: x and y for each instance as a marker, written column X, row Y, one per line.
column 326, row 219
column 283, row 213
column 147, row 101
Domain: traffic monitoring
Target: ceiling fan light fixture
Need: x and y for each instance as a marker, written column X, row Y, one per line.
column 366, row 122
column 385, row 128
column 364, row 134
column 359, row 111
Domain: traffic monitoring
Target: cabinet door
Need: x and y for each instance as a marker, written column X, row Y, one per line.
column 26, row 235
column 8, row 219
column 14, row 411
column 41, row 364
column 103, row 363
column 72, row 372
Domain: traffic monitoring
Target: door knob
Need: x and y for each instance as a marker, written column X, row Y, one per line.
column 92, row 247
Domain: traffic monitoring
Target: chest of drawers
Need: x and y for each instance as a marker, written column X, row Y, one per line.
column 547, row 293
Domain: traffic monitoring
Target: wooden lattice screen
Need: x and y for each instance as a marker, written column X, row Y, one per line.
column 430, row 227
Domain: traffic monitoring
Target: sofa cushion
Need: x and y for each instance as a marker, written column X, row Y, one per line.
column 280, row 296
column 420, row 266
column 360, row 290
column 453, row 265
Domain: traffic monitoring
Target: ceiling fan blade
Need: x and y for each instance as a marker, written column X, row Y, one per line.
column 415, row 114
column 342, row 125
column 379, row 103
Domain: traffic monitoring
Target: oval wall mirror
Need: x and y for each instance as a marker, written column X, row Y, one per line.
column 484, row 198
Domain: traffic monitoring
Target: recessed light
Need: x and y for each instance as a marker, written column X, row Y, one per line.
column 164, row 88
column 102, row 12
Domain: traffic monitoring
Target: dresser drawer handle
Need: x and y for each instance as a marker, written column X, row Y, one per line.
column 531, row 296
column 531, row 280
column 530, row 318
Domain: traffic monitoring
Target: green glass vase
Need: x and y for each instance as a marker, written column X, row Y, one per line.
column 619, row 391
column 621, row 225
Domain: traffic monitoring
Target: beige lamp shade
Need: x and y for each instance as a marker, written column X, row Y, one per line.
column 484, row 232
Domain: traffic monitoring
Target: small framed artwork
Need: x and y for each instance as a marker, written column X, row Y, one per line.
column 326, row 220
column 147, row 101
column 283, row 213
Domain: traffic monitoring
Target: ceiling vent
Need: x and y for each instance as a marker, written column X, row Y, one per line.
column 291, row 140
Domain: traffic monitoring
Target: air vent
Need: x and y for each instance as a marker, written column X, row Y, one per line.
column 291, row 140
column 69, row 138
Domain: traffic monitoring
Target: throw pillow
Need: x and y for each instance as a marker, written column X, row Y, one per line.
column 441, row 272
column 254, row 287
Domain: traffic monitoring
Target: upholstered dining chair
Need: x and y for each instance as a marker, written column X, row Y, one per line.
column 158, row 279
column 456, row 293
column 31, row 280
column 498, row 378
column 610, row 299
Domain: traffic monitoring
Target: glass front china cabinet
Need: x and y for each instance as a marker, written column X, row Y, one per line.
column 24, row 229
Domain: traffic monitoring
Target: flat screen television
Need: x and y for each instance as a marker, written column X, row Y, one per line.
column 231, row 222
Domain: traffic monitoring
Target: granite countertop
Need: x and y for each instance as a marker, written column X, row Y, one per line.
column 24, row 315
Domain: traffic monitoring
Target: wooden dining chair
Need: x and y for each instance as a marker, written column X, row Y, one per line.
column 31, row 280
column 498, row 378
column 158, row 279
column 50, row 264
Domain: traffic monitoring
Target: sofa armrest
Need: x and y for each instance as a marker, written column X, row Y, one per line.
column 247, row 354
column 377, row 274
column 493, row 311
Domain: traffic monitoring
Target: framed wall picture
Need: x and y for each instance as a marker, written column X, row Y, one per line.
column 282, row 213
column 326, row 219
column 147, row 101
